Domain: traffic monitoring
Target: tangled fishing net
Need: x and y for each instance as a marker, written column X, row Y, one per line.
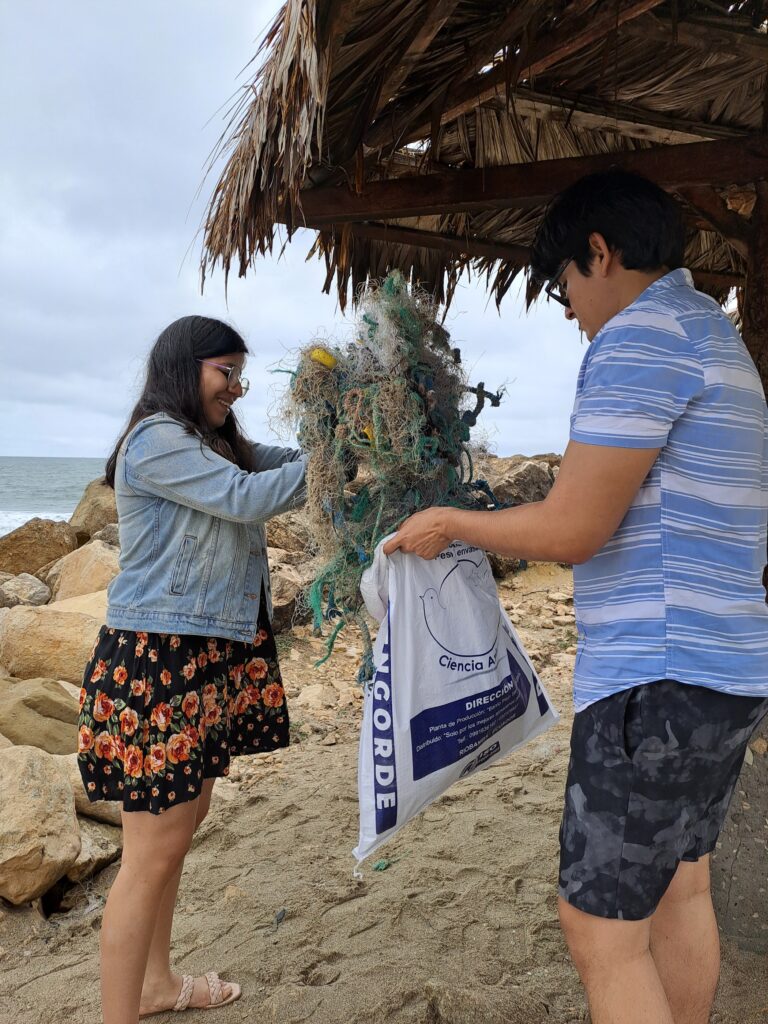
column 396, row 405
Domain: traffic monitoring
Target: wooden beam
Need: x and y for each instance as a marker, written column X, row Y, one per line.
column 627, row 119
column 483, row 248
column 531, row 184
column 436, row 13
column 734, row 229
column 699, row 36
column 592, row 113
column 572, row 36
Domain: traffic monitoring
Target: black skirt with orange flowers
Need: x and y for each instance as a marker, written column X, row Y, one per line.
column 160, row 712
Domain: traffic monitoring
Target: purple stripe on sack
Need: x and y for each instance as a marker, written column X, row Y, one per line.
column 384, row 769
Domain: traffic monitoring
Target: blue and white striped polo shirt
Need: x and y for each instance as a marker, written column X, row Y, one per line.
column 677, row 592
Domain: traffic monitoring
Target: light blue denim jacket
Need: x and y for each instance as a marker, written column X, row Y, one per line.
column 193, row 548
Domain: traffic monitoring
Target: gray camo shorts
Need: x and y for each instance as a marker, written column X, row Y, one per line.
column 651, row 774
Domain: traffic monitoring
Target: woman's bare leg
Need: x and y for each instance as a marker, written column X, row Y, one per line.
column 161, row 985
column 154, row 847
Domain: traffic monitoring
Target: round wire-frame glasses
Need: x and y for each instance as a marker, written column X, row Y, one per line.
column 233, row 373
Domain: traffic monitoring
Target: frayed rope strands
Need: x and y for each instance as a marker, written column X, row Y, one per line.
column 391, row 407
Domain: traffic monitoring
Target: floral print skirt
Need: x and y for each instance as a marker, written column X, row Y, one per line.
column 160, row 712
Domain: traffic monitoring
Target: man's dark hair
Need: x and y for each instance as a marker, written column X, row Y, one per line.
column 636, row 218
column 172, row 385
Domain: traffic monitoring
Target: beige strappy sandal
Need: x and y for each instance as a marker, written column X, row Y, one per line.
column 215, row 991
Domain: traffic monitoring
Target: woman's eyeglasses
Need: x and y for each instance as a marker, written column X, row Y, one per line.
column 233, row 374
column 556, row 289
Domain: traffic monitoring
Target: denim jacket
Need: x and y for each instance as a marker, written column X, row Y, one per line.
column 193, row 548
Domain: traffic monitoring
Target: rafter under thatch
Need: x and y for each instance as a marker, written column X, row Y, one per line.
column 531, row 184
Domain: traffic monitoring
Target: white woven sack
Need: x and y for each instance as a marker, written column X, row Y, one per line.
column 453, row 689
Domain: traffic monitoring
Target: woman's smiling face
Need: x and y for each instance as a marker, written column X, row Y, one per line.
column 216, row 397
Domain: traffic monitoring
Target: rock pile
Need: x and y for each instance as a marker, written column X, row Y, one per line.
column 53, row 579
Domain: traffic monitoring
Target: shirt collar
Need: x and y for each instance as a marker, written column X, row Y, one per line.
column 680, row 278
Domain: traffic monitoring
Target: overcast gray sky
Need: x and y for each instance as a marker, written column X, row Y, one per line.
column 108, row 114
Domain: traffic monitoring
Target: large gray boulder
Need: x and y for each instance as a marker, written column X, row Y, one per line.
column 110, row 534
column 34, row 544
column 100, row 844
column 95, row 510
column 54, row 641
column 39, row 833
column 517, row 482
column 23, row 589
column 38, row 713
column 90, row 568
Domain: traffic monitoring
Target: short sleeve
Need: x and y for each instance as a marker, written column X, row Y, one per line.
column 636, row 382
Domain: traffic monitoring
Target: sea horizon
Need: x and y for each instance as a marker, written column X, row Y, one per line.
column 43, row 486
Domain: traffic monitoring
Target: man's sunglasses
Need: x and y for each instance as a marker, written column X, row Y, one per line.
column 556, row 289
column 233, row 374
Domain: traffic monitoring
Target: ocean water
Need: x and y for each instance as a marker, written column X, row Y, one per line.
column 48, row 488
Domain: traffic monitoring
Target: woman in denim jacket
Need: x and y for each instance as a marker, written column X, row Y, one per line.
column 184, row 674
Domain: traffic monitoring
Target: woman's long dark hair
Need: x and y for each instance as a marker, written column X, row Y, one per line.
column 172, row 386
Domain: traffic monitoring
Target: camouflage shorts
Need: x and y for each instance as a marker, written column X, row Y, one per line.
column 651, row 773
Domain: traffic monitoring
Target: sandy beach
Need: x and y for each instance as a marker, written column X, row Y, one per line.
column 459, row 927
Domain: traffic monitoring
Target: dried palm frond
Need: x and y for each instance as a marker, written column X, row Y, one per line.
column 317, row 114
column 274, row 133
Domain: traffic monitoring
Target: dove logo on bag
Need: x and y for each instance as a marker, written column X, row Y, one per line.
column 463, row 639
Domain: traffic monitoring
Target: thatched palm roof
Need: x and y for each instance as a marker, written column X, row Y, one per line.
column 378, row 123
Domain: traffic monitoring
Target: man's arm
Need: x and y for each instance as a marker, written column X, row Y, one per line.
column 593, row 491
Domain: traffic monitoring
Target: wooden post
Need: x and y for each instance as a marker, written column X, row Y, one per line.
column 740, row 862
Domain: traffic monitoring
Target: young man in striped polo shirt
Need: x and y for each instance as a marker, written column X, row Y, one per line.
column 661, row 504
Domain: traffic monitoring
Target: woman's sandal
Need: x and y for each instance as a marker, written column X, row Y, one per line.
column 215, row 991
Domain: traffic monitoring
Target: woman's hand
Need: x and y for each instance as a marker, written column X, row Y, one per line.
column 425, row 534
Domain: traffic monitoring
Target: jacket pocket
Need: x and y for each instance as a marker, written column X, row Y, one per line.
column 183, row 564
